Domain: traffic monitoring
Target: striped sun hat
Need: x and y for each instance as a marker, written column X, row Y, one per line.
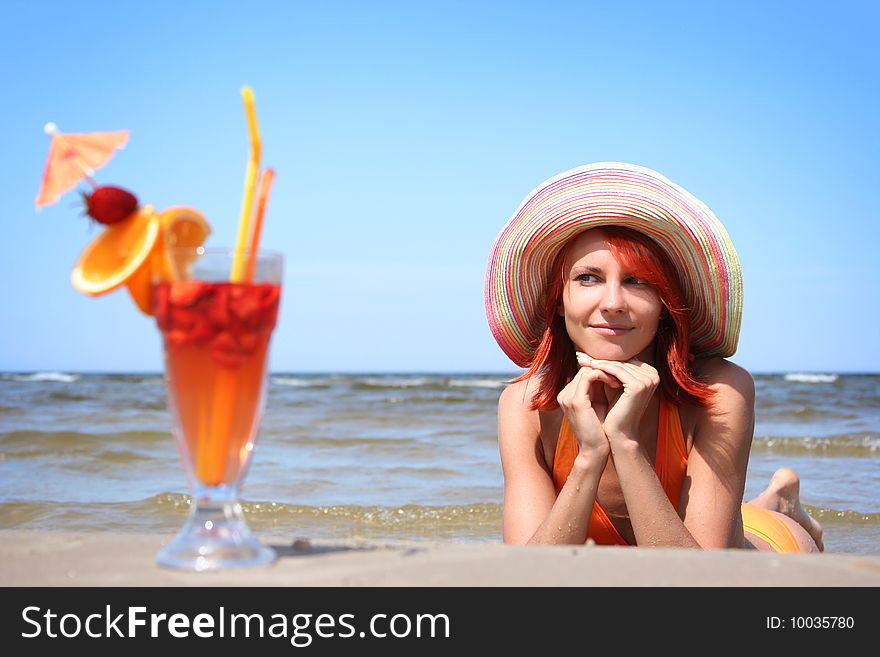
column 612, row 194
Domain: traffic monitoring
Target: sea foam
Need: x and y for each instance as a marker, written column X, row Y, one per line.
column 60, row 377
column 801, row 377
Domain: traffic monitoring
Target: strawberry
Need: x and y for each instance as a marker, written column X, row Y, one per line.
column 187, row 293
column 109, row 205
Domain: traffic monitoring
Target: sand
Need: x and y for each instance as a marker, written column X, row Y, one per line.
column 38, row 558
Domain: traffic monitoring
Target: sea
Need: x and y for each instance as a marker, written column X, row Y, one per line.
column 378, row 456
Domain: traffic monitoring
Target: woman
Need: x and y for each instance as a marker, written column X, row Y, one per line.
column 621, row 294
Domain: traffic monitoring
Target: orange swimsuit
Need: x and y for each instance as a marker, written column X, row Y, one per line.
column 670, row 463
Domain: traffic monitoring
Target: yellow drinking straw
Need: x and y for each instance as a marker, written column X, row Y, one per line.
column 250, row 181
column 213, row 440
column 267, row 176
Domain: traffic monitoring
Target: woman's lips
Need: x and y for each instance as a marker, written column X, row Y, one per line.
column 611, row 329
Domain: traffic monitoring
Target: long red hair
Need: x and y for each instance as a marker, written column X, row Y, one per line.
column 555, row 357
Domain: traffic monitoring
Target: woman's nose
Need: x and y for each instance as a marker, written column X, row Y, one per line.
column 612, row 297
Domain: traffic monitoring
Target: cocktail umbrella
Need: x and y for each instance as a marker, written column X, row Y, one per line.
column 73, row 157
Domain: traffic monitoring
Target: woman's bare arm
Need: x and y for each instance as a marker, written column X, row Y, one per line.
column 532, row 511
column 717, row 463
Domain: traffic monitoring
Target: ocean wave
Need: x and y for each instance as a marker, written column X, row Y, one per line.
column 298, row 382
column 380, row 514
column 63, row 395
column 395, row 514
column 805, row 413
column 59, row 377
column 280, row 523
column 341, row 442
column 803, row 377
column 829, row 516
column 166, row 512
column 443, row 398
column 468, row 522
column 163, row 513
column 393, row 382
column 150, row 380
column 43, row 443
column 867, row 445
column 477, row 383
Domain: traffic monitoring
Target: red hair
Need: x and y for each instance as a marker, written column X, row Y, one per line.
column 554, row 356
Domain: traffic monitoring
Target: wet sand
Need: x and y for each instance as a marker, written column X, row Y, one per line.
column 38, row 558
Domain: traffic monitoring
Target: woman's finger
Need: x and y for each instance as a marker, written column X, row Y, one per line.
column 630, row 374
column 586, row 361
column 604, row 377
column 643, row 366
column 647, row 370
column 582, row 391
column 623, row 371
column 569, row 392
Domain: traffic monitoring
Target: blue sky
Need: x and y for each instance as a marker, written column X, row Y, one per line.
column 405, row 134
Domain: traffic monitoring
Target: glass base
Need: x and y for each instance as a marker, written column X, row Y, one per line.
column 215, row 537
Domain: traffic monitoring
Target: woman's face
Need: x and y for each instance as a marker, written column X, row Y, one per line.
column 609, row 314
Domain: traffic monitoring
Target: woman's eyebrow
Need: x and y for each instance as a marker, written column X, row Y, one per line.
column 586, row 269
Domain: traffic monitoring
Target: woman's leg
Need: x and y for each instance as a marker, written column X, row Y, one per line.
column 783, row 496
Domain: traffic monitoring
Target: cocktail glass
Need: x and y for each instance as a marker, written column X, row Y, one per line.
column 216, row 335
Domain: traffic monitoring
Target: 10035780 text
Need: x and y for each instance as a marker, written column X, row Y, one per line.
column 810, row 623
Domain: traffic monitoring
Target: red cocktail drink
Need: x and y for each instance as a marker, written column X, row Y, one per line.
column 216, row 338
column 216, row 333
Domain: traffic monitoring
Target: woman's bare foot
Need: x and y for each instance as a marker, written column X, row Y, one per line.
column 783, row 495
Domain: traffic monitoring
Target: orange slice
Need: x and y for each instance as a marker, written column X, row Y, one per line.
column 114, row 256
column 178, row 227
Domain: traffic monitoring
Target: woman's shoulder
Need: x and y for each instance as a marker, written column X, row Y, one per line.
column 517, row 400
column 732, row 385
column 517, row 396
column 724, row 376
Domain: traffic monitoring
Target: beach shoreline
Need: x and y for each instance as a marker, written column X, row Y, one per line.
column 35, row 558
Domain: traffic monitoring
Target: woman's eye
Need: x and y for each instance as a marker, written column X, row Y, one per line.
column 632, row 280
column 587, row 278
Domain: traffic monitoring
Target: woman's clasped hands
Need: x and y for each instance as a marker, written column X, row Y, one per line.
column 606, row 400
